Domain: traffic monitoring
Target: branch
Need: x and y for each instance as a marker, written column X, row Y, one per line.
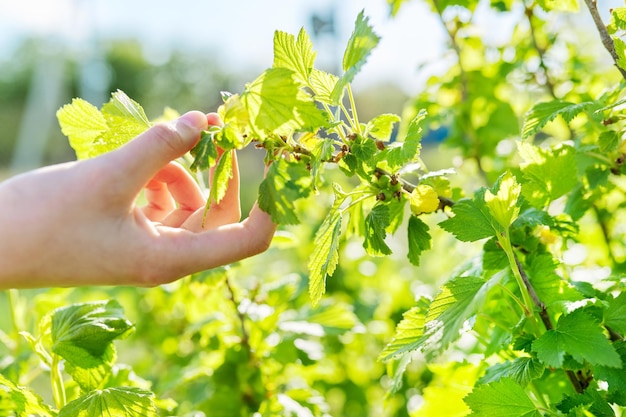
column 604, row 34
column 578, row 385
column 541, row 52
column 244, row 333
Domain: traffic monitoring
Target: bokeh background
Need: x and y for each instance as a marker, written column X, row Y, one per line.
column 181, row 54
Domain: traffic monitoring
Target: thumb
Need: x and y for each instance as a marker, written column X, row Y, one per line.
column 145, row 155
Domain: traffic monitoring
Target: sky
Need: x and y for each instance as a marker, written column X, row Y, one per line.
column 238, row 32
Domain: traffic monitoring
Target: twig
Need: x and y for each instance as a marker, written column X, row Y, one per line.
column 604, row 34
column 244, row 333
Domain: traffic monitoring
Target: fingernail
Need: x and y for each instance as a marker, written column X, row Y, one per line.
column 194, row 119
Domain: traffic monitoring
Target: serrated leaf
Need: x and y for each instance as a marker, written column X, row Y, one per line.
column 364, row 149
column 615, row 377
column 381, row 127
column 502, row 398
column 277, row 104
column 204, row 153
column 322, row 83
column 457, row 302
column 376, row 224
column 521, row 370
column 295, row 55
column 608, row 141
column 543, row 113
column 580, row 336
column 125, row 120
column 112, row 402
column 284, row 184
column 129, row 108
column 21, row 401
column 325, row 255
column 408, row 332
column 547, row 173
column 222, row 174
column 399, row 154
column 235, row 132
column 615, row 314
column 82, row 123
column 589, row 403
column 82, row 333
column 618, row 20
column 550, row 287
column 361, row 43
column 472, row 220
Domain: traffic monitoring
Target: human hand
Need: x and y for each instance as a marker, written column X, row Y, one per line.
column 78, row 224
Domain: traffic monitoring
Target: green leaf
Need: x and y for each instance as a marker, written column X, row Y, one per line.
column 295, row 55
column 128, row 109
column 376, row 224
column 550, row 287
column 547, row 174
column 618, row 20
column 381, row 127
column 322, row 83
column 82, row 334
column 458, row 301
column 620, row 50
column 615, row 377
column 399, row 154
column 580, row 336
column 112, row 402
column 277, row 104
column 360, row 45
column 521, row 370
column 472, row 220
column 204, row 153
column 325, row 255
column 419, row 239
column 503, row 205
column 608, row 141
column 20, row 401
column 92, row 132
column 589, row 403
column 408, row 332
column 222, row 174
column 543, row 113
column 364, row 149
column 235, row 132
column 615, row 314
column 88, row 327
column 284, row 184
column 502, row 398
column 82, row 123
column 125, row 120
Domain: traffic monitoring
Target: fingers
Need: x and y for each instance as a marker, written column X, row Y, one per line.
column 172, row 196
column 142, row 157
column 184, row 252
